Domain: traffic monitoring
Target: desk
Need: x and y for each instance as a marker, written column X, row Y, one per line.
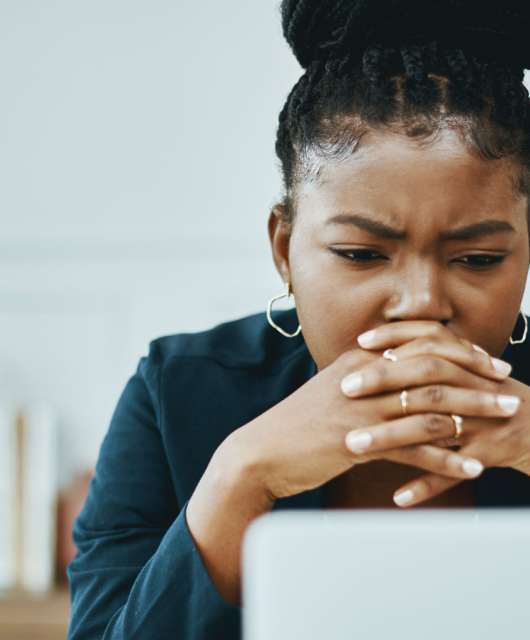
column 29, row 617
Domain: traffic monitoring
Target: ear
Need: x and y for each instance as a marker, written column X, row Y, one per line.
column 279, row 236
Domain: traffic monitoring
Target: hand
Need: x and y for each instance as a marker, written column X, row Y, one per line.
column 300, row 443
column 504, row 442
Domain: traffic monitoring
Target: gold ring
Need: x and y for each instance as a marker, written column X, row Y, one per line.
column 458, row 425
column 403, row 399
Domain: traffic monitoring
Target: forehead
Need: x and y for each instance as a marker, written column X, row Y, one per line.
column 396, row 177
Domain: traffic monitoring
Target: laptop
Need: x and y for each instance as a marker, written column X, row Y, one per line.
column 374, row 574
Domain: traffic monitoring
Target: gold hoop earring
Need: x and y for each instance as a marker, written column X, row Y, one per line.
column 271, row 321
column 524, row 332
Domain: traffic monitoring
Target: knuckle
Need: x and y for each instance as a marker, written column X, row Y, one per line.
column 430, row 367
column 435, row 394
column 434, row 424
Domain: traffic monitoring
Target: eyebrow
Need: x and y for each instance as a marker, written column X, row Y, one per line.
column 376, row 228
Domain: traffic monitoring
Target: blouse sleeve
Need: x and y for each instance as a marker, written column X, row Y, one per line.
column 137, row 572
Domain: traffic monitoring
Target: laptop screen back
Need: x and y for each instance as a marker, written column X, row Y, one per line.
column 374, row 574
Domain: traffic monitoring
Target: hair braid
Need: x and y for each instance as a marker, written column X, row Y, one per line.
column 420, row 90
column 403, row 64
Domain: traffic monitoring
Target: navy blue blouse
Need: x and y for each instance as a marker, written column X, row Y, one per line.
column 137, row 572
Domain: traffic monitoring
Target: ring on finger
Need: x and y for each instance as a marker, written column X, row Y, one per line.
column 458, row 425
column 403, row 398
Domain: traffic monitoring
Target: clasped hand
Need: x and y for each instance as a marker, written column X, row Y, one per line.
column 443, row 375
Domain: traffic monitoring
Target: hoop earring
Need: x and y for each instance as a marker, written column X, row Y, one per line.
column 524, row 332
column 271, row 321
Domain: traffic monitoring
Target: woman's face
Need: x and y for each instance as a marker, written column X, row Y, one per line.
column 393, row 186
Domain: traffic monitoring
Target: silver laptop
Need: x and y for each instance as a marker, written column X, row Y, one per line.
column 385, row 574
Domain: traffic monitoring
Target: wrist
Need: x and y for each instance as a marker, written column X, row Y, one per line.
column 228, row 497
column 239, row 471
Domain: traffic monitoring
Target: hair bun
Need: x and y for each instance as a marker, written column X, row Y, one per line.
column 318, row 29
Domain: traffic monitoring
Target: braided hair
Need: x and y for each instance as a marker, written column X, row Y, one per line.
column 408, row 66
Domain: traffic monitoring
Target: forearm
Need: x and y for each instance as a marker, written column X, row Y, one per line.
column 227, row 498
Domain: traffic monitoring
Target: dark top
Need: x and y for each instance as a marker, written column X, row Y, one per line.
column 137, row 573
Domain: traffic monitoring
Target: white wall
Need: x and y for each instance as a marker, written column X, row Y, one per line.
column 137, row 170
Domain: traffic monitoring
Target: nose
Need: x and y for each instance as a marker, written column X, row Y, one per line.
column 419, row 293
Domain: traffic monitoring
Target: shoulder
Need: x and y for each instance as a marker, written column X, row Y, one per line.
column 242, row 343
column 234, row 370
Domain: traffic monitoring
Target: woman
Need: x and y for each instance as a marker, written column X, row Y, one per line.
column 405, row 155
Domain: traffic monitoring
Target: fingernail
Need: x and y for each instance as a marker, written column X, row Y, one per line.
column 472, row 467
column 509, row 404
column 501, row 366
column 352, row 383
column 365, row 339
column 404, row 497
column 358, row 442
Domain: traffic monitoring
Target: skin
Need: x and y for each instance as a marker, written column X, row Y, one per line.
column 420, row 282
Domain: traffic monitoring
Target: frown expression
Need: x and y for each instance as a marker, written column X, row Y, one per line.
column 406, row 269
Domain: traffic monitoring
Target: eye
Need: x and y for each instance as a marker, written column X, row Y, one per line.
column 482, row 260
column 474, row 261
column 359, row 255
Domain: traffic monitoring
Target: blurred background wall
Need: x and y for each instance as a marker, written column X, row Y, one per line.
column 137, row 170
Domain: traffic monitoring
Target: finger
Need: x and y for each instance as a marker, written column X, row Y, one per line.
column 422, row 489
column 410, row 430
column 433, row 484
column 394, row 334
column 461, row 352
column 448, row 399
column 385, row 375
column 434, row 459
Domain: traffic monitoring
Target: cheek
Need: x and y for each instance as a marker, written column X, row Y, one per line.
column 333, row 307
